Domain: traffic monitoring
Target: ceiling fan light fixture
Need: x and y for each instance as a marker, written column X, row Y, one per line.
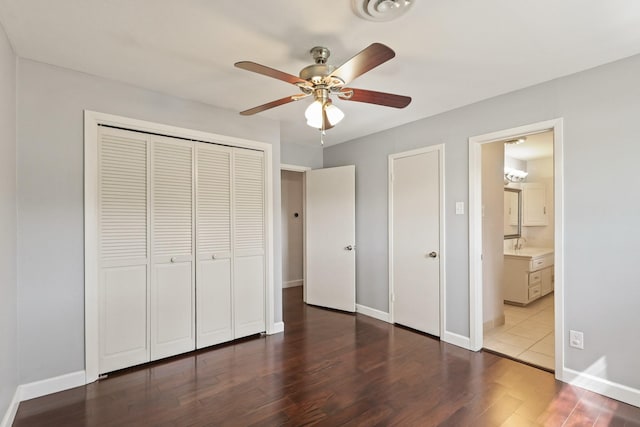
column 334, row 114
column 314, row 113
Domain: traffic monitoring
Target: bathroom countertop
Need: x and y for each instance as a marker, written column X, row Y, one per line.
column 527, row 252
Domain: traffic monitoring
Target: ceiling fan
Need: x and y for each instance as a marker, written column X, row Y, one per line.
column 320, row 80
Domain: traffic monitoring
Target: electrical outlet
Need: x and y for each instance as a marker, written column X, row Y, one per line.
column 576, row 339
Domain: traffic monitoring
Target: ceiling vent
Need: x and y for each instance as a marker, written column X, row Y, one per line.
column 380, row 10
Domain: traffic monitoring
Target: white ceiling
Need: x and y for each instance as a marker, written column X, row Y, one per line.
column 449, row 53
column 536, row 146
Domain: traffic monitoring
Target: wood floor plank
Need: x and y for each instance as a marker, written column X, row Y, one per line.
column 329, row 369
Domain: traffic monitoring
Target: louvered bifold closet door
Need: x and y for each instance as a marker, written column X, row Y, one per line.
column 123, row 249
column 248, row 242
column 172, row 270
column 214, row 320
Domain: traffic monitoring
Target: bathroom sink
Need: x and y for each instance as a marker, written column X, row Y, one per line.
column 528, row 252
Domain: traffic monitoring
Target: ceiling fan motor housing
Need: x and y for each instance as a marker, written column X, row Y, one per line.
column 317, row 72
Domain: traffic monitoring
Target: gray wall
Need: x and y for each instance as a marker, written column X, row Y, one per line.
column 601, row 108
column 8, row 226
column 301, row 155
column 51, row 101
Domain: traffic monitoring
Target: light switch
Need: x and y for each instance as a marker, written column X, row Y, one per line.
column 459, row 208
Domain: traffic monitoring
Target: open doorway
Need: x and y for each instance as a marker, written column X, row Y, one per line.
column 518, row 247
column 514, row 280
column 292, row 181
column 318, row 236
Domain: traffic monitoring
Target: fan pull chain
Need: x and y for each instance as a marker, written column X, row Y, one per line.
column 322, row 132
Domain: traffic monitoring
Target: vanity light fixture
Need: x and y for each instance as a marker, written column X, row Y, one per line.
column 514, row 175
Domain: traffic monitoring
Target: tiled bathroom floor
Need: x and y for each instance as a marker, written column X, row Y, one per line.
column 527, row 334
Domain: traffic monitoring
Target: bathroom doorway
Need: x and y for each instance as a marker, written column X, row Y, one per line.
column 520, row 324
column 515, row 207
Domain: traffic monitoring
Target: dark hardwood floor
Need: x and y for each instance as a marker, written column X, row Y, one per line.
column 329, row 369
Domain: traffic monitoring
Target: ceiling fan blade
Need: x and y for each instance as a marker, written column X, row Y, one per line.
column 373, row 97
column 270, row 72
column 268, row 105
column 367, row 59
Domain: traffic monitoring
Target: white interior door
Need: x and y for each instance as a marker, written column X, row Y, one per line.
column 330, row 238
column 214, row 321
column 172, row 274
column 415, row 230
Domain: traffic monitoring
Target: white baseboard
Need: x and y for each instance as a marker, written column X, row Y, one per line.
column 41, row 388
column 10, row 415
column 602, row 386
column 278, row 327
column 51, row 385
column 372, row 312
column 455, row 339
column 292, row 283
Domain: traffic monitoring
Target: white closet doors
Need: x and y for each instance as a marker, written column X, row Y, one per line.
column 123, row 251
column 231, row 244
column 213, row 265
column 172, row 268
column 181, row 246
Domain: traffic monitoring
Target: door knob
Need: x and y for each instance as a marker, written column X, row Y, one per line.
column 433, row 254
column 173, row 259
column 350, row 247
column 213, row 256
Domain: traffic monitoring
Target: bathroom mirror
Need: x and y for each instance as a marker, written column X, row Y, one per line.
column 512, row 213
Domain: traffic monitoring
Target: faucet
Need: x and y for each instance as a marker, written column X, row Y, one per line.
column 518, row 244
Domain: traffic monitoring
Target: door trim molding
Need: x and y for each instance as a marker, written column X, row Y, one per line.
column 92, row 120
column 440, row 148
column 294, row 168
column 475, row 230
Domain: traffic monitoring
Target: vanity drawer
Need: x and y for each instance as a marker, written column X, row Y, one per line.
column 541, row 262
column 535, row 292
column 535, row 277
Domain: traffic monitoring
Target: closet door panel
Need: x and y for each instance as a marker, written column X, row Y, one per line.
column 249, row 242
column 123, row 249
column 123, row 317
column 214, row 317
column 172, row 299
column 172, row 281
column 249, row 209
column 214, row 320
column 248, row 286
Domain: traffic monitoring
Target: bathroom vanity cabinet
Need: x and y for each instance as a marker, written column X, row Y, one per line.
column 528, row 274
